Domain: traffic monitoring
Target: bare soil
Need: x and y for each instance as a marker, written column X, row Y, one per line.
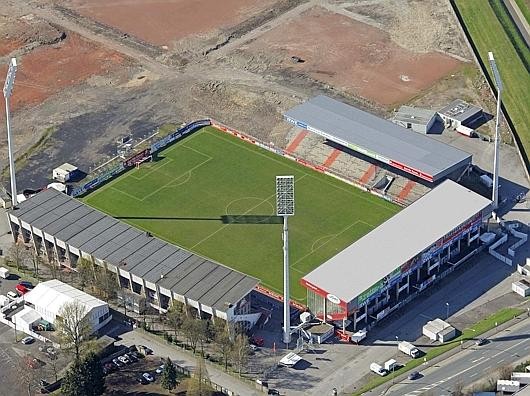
column 351, row 56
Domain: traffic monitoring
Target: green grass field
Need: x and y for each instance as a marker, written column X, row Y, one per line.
column 493, row 30
column 214, row 194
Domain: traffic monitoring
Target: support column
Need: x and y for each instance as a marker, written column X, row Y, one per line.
column 418, row 274
column 355, row 321
column 366, row 313
column 408, row 284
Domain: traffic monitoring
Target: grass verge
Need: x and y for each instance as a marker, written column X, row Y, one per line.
column 469, row 333
column 524, row 6
column 492, row 30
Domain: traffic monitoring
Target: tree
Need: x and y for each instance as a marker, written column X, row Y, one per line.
column 240, row 352
column 27, row 367
column 196, row 384
column 192, row 328
column 53, row 360
column 36, row 260
column 169, row 375
column 223, row 343
column 175, row 316
column 73, row 326
column 84, row 378
column 85, row 272
column 17, row 254
column 105, row 283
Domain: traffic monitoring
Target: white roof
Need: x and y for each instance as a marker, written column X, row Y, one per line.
column 290, row 359
column 67, row 167
column 437, row 325
column 27, row 315
column 53, row 294
column 401, row 238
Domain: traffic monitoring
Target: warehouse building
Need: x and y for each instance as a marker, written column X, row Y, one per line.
column 459, row 113
column 64, row 229
column 419, row 120
column 412, row 153
column 417, row 247
column 49, row 298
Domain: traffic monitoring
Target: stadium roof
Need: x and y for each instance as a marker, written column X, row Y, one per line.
column 396, row 241
column 377, row 138
column 53, row 294
column 132, row 250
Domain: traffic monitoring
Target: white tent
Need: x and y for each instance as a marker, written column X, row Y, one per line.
column 49, row 297
column 25, row 319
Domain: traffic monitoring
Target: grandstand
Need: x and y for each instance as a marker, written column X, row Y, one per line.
column 376, row 141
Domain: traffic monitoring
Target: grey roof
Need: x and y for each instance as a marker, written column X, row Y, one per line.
column 460, row 110
column 377, row 138
column 130, row 249
column 414, row 115
column 383, row 250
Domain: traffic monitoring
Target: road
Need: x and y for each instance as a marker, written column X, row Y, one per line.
column 519, row 19
column 472, row 364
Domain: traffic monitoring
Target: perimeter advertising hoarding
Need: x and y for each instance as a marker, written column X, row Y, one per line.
column 379, row 287
column 136, row 158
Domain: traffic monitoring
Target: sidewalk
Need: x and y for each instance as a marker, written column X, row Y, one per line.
column 184, row 359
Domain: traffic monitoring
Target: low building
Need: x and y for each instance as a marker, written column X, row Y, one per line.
column 64, row 172
column 521, row 287
column 419, row 120
column 524, row 269
column 508, row 386
column 439, row 330
column 25, row 319
column 48, row 299
column 459, row 113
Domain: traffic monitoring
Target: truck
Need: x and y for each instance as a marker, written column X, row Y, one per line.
column 391, row 365
column 4, row 272
column 358, row 336
column 409, row 349
column 378, row 369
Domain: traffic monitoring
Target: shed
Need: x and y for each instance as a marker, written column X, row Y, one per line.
column 25, row 319
column 459, row 113
column 523, row 378
column 508, row 386
column 521, row 287
column 5, row 198
column 64, row 172
column 438, row 330
column 419, row 120
column 321, row 332
column 524, row 269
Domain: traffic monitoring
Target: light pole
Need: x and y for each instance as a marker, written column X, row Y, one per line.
column 8, row 89
column 285, row 208
column 498, row 82
column 447, row 311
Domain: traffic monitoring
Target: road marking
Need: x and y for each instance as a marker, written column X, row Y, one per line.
column 500, row 361
column 473, row 375
column 479, row 359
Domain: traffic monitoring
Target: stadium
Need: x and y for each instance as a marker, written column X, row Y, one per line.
column 192, row 218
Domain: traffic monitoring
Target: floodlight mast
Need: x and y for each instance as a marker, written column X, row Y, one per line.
column 285, row 208
column 498, row 82
column 8, row 89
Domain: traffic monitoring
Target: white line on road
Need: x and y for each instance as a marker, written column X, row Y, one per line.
column 500, row 361
column 479, row 359
column 473, row 375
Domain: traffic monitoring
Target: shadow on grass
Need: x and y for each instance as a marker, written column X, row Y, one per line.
column 225, row 219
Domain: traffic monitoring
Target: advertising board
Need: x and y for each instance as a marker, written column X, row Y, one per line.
column 136, row 158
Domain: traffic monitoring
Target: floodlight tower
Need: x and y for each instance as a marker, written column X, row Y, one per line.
column 8, row 89
column 285, row 208
column 498, row 82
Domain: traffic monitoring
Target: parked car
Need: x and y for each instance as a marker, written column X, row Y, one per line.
column 21, row 289
column 26, row 284
column 27, row 340
column 414, row 375
column 481, row 341
column 145, row 350
column 253, row 347
column 117, row 363
column 273, row 392
column 148, row 377
column 159, row 369
column 131, row 357
column 43, row 382
column 124, row 359
column 142, row 380
column 12, row 295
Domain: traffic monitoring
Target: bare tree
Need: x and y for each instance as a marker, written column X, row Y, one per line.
column 53, row 361
column 505, row 372
column 175, row 316
column 85, row 272
column 73, row 326
column 240, row 352
column 458, row 389
column 193, row 329
column 105, row 282
column 18, row 254
column 36, row 261
column 223, row 343
column 27, row 370
column 197, row 384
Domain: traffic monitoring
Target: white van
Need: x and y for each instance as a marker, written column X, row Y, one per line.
column 4, row 272
column 12, row 295
column 378, row 369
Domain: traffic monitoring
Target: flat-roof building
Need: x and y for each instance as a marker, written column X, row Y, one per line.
column 459, row 113
column 413, row 248
column 65, row 229
column 377, row 138
column 419, row 120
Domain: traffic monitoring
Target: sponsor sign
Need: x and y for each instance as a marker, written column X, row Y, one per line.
column 136, row 158
column 375, row 289
column 314, row 288
column 302, row 125
column 289, row 119
column 412, row 171
column 333, row 298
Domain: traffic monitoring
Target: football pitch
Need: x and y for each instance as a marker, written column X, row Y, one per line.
column 214, row 195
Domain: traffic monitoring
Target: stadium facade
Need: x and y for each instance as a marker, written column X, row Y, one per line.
column 384, row 269
column 63, row 229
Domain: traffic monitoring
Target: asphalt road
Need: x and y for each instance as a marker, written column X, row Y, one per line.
column 470, row 365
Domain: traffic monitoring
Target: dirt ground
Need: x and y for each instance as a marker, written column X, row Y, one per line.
column 352, row 56
column 164, row 22
column 82, row 84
